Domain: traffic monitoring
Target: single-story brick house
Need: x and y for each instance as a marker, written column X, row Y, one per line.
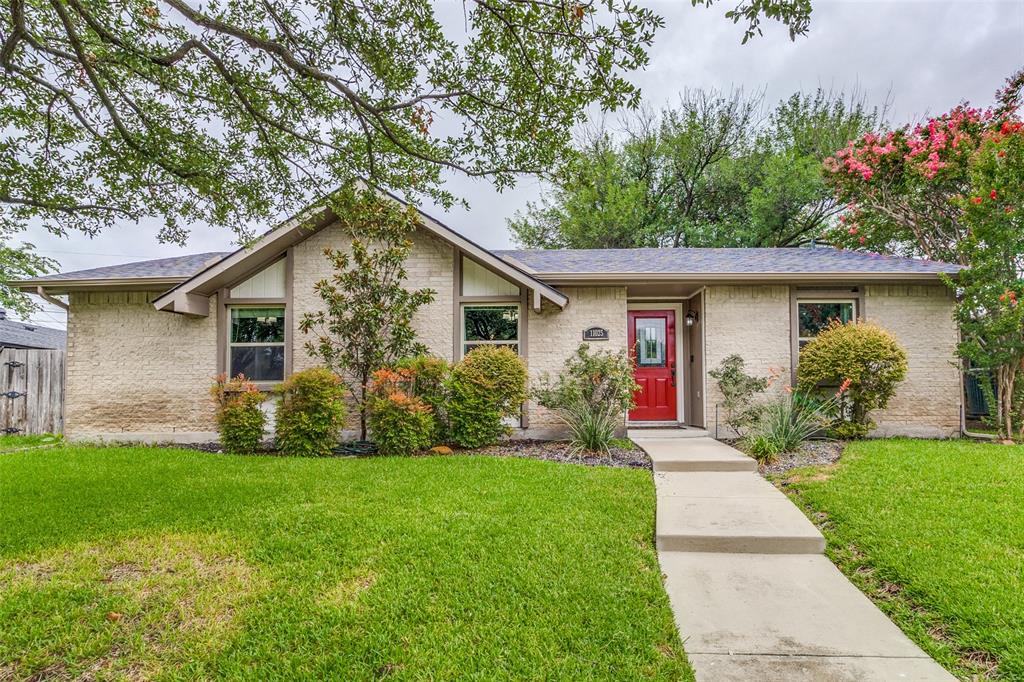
column 145, row 339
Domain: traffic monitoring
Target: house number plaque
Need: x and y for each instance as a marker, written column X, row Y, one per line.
column 595, row 334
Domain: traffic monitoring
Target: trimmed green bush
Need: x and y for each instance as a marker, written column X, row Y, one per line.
column 400, row 423
column 310, row 413
column 489, row 385
column 429, row 375
column 591, row 395
column 864, row 357
column 240, row 417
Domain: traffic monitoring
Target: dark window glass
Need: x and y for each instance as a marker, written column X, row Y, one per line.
column 258, row 363
column 257, row 325
column 814, row 317
column 492, row 323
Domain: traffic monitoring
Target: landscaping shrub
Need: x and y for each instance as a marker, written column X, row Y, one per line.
column 310, row 413
column 240, row 417
column 591, row 395
column 400, row 423
column 429, row 375
column 863, row 353
column 786, row 422
column 738, row 390
column 489, row 385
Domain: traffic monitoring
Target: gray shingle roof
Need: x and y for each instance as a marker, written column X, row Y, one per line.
column 687, row 261
column 178, row 266
column 27, row 335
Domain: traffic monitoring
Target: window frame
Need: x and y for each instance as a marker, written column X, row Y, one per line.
column 229, row 344
column 853, row 301
column 463, row 342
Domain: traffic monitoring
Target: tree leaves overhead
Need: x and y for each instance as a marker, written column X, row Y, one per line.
column 229, row 111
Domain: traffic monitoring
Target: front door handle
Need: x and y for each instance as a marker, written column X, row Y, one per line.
column 672, row 366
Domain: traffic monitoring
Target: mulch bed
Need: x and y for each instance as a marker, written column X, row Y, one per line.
column 551, row 451
column 811, row 453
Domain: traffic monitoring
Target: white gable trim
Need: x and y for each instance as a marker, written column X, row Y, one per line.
column 236, row 266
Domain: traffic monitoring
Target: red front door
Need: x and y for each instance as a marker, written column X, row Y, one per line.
column 652, row 342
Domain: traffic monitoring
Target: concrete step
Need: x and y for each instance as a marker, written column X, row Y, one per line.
column 650, row 433
column 730, row 512
column 784, row 617
column 693, row 454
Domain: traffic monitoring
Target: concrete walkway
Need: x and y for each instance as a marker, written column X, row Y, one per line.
column 754, row 597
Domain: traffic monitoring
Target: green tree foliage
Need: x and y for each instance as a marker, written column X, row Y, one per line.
column 310, row 413
column 864, row 360
column 239, row 414
column 485, row 388
column 366, row 322
column 990, row 313
column 711, row 171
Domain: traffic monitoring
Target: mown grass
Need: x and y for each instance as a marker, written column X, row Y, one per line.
column 934, row 532
column 173, row 564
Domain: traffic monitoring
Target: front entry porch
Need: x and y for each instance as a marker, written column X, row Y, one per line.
column 665, row 338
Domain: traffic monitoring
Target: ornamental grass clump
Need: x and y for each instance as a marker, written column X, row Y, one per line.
column 786, row 422
column 865, row 355
column 310, row 413
column 591, row 396
column 400, row 423
column 239, row 414
column 487, row 387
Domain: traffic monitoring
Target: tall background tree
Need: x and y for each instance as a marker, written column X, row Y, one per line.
column 713, row 170
column 231, row 113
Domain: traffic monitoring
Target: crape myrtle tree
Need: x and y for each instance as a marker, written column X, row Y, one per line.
column 711, row 170
column 231, row 112
column 952, row 189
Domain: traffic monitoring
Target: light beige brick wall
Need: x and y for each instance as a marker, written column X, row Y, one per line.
column 430, row 265
column 134, row 370
column 927, row 403
column 752, row 322
column 554, row 335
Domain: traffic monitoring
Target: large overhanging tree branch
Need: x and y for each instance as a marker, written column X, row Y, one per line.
column 233, row 111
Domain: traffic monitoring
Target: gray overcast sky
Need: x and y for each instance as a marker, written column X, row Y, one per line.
column 924, row 56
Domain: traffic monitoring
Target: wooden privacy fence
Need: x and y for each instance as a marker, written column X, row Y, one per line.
column 31, row 391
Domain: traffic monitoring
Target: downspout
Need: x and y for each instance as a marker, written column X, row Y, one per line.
column 51, row 299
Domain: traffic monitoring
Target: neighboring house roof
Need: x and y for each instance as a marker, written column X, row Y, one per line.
column 745, row 262
column 15, row 334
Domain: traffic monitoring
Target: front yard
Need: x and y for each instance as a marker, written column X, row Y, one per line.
column 146, row 562
column 934, row 532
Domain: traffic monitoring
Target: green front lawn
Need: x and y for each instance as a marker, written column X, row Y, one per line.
column 140, row 562
column 934, row 532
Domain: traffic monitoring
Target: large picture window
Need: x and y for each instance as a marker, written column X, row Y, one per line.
column 814, row 316
column 256, row 343
column 496, row 325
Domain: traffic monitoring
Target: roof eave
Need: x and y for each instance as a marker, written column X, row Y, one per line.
column 64, row 286
column 592, row 277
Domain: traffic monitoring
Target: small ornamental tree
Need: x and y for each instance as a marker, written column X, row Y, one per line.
column 738, row 391
column 991, row 290
column 864, row 359
column 366, row 323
